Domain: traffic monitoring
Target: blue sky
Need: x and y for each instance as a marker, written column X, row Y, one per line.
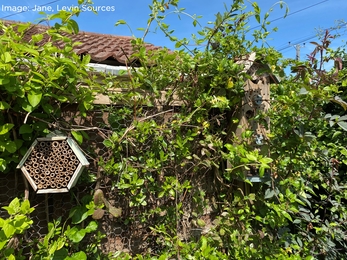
column 299, row 27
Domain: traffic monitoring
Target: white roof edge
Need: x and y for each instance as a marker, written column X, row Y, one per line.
column 109, row 69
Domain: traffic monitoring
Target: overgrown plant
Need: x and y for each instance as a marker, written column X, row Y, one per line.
column 13, row 228
column 175, row 158
column 173, row 177
column 36, row 79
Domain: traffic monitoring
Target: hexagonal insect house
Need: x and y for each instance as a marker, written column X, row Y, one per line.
column 53, row 165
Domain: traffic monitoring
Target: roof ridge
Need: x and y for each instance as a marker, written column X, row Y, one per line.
column 106, row 48
column 48, row 26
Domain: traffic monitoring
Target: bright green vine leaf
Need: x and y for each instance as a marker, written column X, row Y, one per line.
column 78, row 136
column 34, row 98
column 5, row 128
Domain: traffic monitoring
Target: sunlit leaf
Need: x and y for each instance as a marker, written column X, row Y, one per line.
column 5, row 128
column 343, row 125
column 78, row 136
column 34, row 98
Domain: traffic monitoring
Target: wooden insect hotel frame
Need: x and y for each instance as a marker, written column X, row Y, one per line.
column 53, row 165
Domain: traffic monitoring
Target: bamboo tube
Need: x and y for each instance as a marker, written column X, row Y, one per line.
column 55, row 144
column 42, row 144
column 72, row 163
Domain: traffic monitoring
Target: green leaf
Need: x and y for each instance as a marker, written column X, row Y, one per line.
column 200, row 222
column 34, row 98
column 10, row 146
column 343, row 125
column 342, row 118
column 13, row 207
column 120, row 22
column 74, row 25
column 7, row 57
column 8, row 229
column 75, row 235
column 256, row 7
column 79, row 214
column 5, row 128
column 77, row 256
column 303, row 91
column 286, row 214
column 108, row 143
column 78, row 136
column 92, row 226
column 4, row 105
column 3, row 165
column 61, row 254
column 37, row 37
column 25, row 129
column 25, row 207
column 86, row 59
column 251, row 157
column 269, row 194
column 11, row 257
column 26, row 106
column 140, row 182
column 4, row 81
column 265, row 160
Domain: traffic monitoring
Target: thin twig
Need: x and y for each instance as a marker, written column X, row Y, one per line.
column 57, row 126
column 141, row 120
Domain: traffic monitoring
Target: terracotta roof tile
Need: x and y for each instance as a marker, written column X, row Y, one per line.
column 100, row 47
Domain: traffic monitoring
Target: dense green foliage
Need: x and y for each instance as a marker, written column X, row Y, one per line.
column 35, row 80
column 173, row 158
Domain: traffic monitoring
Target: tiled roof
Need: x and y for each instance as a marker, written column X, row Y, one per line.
column 101, row 47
